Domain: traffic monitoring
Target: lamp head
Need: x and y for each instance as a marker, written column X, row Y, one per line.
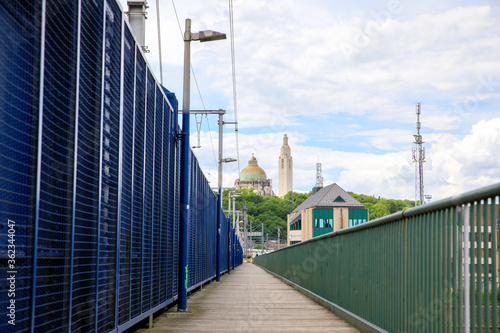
column 207, row 36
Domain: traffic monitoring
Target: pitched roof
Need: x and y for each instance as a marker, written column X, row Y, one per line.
column 328, row 197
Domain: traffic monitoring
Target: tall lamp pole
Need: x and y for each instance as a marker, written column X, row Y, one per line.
column 219, row 199
column 220, row 212
column 202, row 36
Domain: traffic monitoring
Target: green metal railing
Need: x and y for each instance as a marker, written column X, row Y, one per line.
column 405, row 272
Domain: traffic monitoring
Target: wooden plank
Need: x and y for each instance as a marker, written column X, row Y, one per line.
column 250, row 300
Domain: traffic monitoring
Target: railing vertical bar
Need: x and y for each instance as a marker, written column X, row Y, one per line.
column 441, row 268
column 395, row 260
column 413, row 235
column 384, row 275
column 435, row 269
column 431, row 277
column 428, row 263
column 403, row 283
column 421, row 242
column 454, row 275
column 449, row 277
column 399, row 250
column 447, row 263
column 486, row 266
column 404, row 279
column 467, row 247
column 418, row 268
column 389, row 277
column 478, row 258
column 460, row 272
column 494, row 284
column 447, row 271
column 472, row 277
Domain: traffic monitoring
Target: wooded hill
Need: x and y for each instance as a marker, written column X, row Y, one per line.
column 272, row 211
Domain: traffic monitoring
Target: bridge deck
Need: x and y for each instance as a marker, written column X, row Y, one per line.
column 250, row 300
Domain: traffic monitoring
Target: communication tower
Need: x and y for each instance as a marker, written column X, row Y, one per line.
column 319, row 179
column 319, row 176
column 419, row 159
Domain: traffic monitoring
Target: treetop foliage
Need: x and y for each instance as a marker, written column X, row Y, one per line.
column 272, row 211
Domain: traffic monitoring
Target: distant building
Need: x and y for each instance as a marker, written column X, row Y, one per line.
column 285, row 169
column 254, row 177
column 330, row 209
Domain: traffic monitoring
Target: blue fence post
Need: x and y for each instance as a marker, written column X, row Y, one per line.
column 185, row 166
column 219, row 221
column 228, row 246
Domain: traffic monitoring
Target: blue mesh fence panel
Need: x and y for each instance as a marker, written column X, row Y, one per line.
column 159, row 234
column 138, row 190
column 19, row 99
column 224, row 243
column 86, row 213
column 55, row 207
column 109, row 170
column 177, row 191
column 127, row 169
column 191, row 222
column 148, row 196
column 96, row 212
column 167, row 219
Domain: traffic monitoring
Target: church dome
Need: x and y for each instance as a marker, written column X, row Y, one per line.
column 252, row 171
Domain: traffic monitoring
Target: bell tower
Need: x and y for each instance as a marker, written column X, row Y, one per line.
column 285, row 169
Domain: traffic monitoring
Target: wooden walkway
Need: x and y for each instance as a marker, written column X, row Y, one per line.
column 249, row 300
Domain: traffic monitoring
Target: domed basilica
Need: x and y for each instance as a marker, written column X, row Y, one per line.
column 254, row 177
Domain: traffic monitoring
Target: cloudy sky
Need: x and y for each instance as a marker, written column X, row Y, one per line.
column 341, row 78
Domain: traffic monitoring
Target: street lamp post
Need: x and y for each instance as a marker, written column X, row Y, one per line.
column 219, row 222
column 202, row 36
column 220, row 213
column 245, row 219
column 234, row 196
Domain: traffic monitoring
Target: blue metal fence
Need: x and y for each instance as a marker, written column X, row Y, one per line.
column 90, row 175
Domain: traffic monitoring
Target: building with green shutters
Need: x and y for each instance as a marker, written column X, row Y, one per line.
column 329, row 209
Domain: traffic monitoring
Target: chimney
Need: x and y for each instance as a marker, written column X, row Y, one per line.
column 137, row 19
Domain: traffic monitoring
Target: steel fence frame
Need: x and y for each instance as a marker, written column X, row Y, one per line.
column 406, row 272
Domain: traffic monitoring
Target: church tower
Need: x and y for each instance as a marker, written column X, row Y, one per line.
column 285, row 169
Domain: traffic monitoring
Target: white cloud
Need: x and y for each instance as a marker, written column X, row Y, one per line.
column 453, row 164
column 458, row 165
column 290, row 67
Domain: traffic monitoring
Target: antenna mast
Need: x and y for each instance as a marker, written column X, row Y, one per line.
column 419, row 159
column 319, row 177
